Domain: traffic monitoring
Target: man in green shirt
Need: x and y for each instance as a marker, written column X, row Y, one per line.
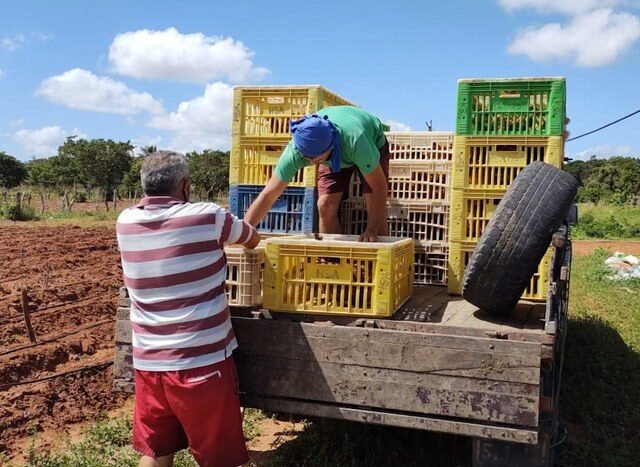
column 339, row 140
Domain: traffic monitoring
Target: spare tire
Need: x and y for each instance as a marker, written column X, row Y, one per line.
column 517, row 237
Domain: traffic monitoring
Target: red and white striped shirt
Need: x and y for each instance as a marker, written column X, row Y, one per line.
column 174, row 268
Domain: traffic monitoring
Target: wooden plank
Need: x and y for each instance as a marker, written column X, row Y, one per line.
column 302, row 331
column 416, row 358
column 380, row 417
column 399, row 375
column 123, row 331
column 123, row 312
column 123, row 362
column 410, row 397
column 124, row 385
column 436, row 328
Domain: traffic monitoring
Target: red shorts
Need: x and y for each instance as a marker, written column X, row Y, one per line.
column 197, row 408
column 329, row 182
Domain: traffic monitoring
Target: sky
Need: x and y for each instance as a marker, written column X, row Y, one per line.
column 162, row 72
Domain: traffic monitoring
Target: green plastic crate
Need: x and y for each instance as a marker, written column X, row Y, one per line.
column 511, row 107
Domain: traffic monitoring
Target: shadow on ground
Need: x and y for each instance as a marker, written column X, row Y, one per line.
column 329, row 443
column 600, row 396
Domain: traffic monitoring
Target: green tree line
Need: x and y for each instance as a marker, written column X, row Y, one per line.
column 104, row 169
column 607, row 181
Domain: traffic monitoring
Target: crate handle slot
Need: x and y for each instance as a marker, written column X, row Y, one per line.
column 506, row 147
column 509, row 94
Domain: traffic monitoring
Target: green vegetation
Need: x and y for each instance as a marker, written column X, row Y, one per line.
column 613, row 181
column 607, row 221
column 18, row 212
column 102, row 170
column 12, row 171
column 600, row 395
column 108, row 443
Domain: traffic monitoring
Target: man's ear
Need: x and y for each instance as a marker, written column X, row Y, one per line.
column 186, row 189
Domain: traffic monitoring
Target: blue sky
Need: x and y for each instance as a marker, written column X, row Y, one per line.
column 160, row 72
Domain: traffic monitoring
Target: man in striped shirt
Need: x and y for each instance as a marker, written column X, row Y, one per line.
column 174, row 268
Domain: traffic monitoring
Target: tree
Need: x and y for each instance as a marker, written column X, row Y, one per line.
column 101, row 163
column 209, row 172
column 12, row 171
column 146, row 150
column 41, row 177
column 131, row 185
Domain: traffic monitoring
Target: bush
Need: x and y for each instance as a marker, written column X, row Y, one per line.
column 15, row 212
column 610, row 227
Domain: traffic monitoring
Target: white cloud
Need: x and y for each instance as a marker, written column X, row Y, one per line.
column 604, row 151
column 13, row 43
column 81, row 89
column 2, row 74
column 174, row 56
column 592, row 39
column 16, row 122
column 559, row 6
column 145, row 140
column 45, row 141
column 201, row 123
column 397, row 126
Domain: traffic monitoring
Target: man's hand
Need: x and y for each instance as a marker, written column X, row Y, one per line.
column 368, row 236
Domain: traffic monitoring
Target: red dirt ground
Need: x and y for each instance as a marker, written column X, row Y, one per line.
column 586, row 247
column 71, row 276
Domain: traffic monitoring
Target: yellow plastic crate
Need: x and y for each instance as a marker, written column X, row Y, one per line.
column 338, row 275
column 420, row 146
column 459, row 254
column 253, row 160
column 267, row 110
column 244, row 275
column 424, row 181
column 492, row 163
column 471, row 211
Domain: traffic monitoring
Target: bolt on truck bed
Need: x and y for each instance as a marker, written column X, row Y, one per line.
column 438, row 364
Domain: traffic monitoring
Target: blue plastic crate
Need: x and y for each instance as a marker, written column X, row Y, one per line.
column 293, row 213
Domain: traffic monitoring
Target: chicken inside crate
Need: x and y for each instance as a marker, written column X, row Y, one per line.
column 337, row 275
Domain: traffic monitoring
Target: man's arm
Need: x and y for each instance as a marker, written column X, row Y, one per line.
column 239, row 232
column 376, row 211
column 265, row 200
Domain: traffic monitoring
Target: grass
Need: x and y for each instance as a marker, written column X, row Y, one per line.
column 607, row 221
column 108, row 443
column 600, row 395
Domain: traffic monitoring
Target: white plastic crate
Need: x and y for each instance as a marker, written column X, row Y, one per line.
column 431, row 260
column 420, row 146
column 245, row 267
column 412, row 181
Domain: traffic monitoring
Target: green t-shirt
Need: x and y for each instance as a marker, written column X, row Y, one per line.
column 361, row 135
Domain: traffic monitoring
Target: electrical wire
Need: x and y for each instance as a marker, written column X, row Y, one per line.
column 604, row 126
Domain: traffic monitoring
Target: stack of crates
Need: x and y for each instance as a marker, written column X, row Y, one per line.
column 259, row 134
column 418, row 199
column 502, row 126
